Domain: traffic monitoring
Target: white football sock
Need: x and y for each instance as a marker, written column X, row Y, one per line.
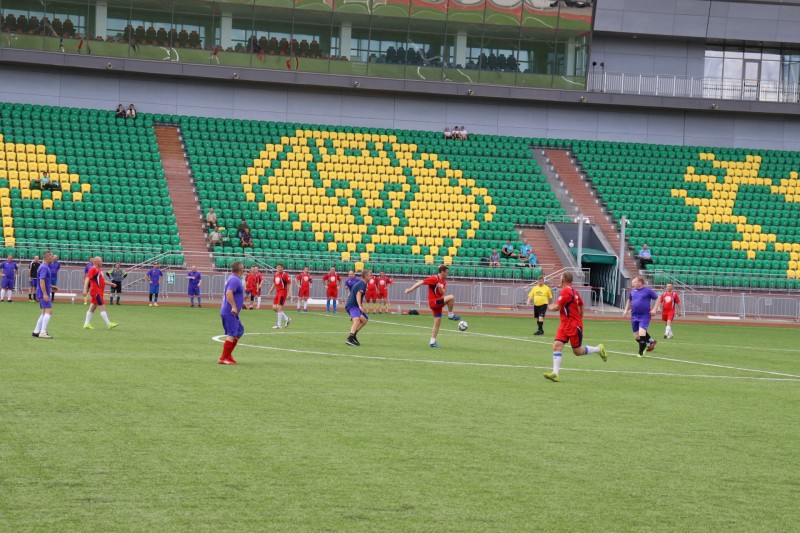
column 45, row 321
column 39, row 324
column 433, row 340
column 592, row 349
column 88, row 318
column 105, row 317
column 556, row 363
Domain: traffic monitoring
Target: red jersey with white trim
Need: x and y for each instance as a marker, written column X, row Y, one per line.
column 383, row 284
column 669, row 300
column 570, row 302
column 433, row 292
column 281, row 282
column 372, row 287
column 332, row 280
column 97, row 283
column 303, row 281
column 252, row 281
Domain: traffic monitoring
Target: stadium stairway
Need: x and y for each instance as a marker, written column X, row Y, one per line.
column 583, row 197
column 543, row 248
column 181, row 192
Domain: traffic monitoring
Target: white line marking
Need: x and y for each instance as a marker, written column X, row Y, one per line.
column 221, row 338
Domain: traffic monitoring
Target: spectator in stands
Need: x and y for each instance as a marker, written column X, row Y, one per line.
column 456, row 133
column 214, row 238
column 46, row 184
column 120, row 111
column 508, row 250
column 211, row 219
column 645, row 256
column 131, row 113
column 448, row 134
column 494, row 259
column 464, row 133
column 241, row 227
column 526, row 255
column 247, row 239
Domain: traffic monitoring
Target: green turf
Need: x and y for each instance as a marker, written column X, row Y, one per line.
column 139, row 429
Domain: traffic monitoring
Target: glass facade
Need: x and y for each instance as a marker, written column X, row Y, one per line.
column 737, row 71
column 532, row 43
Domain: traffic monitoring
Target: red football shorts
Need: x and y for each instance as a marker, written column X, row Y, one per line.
column 571, row 334
column 303, row 293
column 97, row 298
column 280, row 298
column 383, row 295
column 333, row 292
column 436, row 306
column 255, row 291
column 371, row 296
column 668, row 316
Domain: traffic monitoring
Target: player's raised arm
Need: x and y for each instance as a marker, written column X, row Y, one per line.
column 414, row 287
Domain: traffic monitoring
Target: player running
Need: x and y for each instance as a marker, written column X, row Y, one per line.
column 281, row 283
column 94, row 285
column 542, row 296
column 253, row 283
column 43, row 288
column 8, row 271
column 669, row 302
column 304, row 281
column 437, row 300
column 332, row 282
column 195, row 280
column 232, row 303
column 570, row 306
column 154, row 279
column 355, row 308
column 638, row 305
column 383, row 284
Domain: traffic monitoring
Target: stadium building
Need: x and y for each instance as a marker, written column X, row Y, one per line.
column 320, row 124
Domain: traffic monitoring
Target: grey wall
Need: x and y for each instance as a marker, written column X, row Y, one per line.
column 621, row 53
column 774, row 22
column 104, row 90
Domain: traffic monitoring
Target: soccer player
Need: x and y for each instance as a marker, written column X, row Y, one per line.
column 94, row 285
column 669, row 302
column 437, row 299
column 570, row 306
column 351, row 281
column 372, row 293
column 43, row 287
column 116, row 276
column 542, row 296
column 332, row 282
column 253, row 282
column 304, row 282
column 195, row 279
column 232, row 303
column 281, row 283
column 355, row 308
column 8, row 271
column 33, row 288
column 154, row 278
column 55, row 266
column 384, row 282
column 638, row 305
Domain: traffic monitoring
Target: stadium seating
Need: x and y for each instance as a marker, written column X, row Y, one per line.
column 713, row 216
column 404, row 201
column 113, row 199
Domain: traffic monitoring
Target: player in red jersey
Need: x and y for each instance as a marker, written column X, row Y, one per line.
column 437, row 300
column 383, row 292
column 281, row 283
column 304, row 282
column 253, row 283
column 371, row 296
column 570, row 306
column 332, row 282
column 670, row 302
column 94, row 285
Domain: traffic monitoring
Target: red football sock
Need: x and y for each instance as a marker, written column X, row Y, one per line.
column 227, row 348
column 235, row 342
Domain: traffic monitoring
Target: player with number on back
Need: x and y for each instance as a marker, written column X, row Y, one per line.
column 281, row 283
column 332, row 282
column 669, row 302
column 304, row 281
column 570, row 306
column 638, row 305
column 437, row 300
column 232, row 304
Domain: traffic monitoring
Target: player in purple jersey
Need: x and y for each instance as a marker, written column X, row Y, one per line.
column 43, row 288
column 8, row 270
column 195, row 279
column 232, row 303
column 55, row 266
column 638, row 305
column 154, row 279
column 351, row 281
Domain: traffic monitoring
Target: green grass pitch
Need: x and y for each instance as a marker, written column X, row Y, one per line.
column 139, row 429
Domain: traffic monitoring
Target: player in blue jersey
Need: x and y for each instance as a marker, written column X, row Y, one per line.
column 55, row 266
column 154, row 279
column 638, row 305
column 232, row 304
column 8, row 270
column 351, row 280
column 355, row 307
column 43, row 287
column 195, row 279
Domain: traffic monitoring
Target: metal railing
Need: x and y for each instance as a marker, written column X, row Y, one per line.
column 693, row 87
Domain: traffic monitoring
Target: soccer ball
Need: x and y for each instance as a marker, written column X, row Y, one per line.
column 462, row 326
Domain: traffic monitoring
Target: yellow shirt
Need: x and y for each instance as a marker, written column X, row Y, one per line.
column 541, row 295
